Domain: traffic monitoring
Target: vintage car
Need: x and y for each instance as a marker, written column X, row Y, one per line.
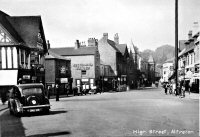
column 28, row 98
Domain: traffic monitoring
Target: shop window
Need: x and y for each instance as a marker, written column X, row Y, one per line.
column 91, row 83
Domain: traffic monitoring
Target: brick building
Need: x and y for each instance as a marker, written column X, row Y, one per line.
column 85, row 62
column 58, row 72
column 22, row 50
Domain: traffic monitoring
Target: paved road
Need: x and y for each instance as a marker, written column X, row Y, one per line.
column 135, row 113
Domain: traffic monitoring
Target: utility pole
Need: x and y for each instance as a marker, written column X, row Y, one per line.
column 176, row 44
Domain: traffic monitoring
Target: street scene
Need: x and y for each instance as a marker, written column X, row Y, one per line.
column 96, row 68
column 144, row 112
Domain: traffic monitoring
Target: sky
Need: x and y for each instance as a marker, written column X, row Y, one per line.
column 147, row 23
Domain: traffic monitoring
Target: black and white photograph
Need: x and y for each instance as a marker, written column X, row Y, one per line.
column 99, row 68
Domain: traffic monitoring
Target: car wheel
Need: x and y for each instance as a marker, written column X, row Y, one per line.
column 10, row 110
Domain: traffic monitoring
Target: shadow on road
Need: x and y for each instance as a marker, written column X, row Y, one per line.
column 51, row 134
column 57, row 112
column 11, row 126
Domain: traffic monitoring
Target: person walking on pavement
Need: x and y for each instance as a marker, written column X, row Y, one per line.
column 57, row 92
column 165, row 87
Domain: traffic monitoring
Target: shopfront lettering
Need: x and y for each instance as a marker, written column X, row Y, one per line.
column 83, row 66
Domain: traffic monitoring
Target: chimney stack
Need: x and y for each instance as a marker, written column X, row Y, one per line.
column 48, row 44
column 105, row 36
column 77, row 44
column 196, row 27
column 190, row 34
column 92, row 42
column 116, row 38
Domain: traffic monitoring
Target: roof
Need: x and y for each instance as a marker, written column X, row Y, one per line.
column 52, row 55
column 71, row 51
column 182, row 44
column 4, row 20
column 189, row 48
column 112, row 43
column 24, row 28
column 121, row 48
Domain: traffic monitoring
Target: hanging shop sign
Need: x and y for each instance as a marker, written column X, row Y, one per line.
column 86, row 66
column 26, row 77
column 63, row 70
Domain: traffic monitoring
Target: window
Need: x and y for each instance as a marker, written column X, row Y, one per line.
column 22, row 56
column 83, row 72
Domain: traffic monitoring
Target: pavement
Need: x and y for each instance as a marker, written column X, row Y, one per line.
column 3, row 107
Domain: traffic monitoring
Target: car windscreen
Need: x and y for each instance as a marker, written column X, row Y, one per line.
column 29, row 91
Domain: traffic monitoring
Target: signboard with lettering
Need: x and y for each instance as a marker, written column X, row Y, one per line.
column 63, row 80
column 86, row 66
column 26, row 76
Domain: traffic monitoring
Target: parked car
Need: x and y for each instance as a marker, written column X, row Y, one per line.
column 28, row 98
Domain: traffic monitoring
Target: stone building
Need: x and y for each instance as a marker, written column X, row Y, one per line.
column 22, row 50
column 85, row 62
column 113, row 59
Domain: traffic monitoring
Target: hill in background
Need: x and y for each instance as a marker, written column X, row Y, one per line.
column 160, row 55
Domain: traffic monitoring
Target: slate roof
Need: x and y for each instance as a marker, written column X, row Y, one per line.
column 182, row 44
column 52, row 55
column 112, row 43
column 8, row 26
column 71, row 51
column 24, row 29
column 121, row 48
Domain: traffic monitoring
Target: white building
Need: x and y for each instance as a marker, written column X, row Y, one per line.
column 167, row 70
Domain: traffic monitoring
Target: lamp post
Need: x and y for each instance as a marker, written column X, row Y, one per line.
column 176, row 44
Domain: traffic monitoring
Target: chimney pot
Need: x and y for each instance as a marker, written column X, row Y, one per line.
column 105, row 35
column 48, row 44
column 77, row 44
column 190, row 34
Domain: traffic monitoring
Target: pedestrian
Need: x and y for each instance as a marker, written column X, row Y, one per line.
column 57, row 92
column 183, row 89
column 174, row 87
column 180, row 88
column 190, row 86
column 165, row 87
column 49, row 91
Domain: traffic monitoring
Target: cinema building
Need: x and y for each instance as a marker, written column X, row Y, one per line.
column 85, row 63
column 22, row 50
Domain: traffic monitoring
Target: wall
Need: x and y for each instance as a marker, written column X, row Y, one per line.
column 79, row 63
column 49, row 71
column 166, row 71
column 107, row 55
